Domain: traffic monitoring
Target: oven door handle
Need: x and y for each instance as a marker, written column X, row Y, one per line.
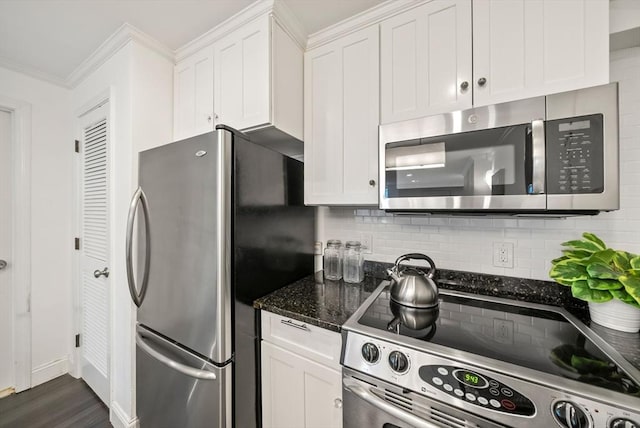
column 364, row 393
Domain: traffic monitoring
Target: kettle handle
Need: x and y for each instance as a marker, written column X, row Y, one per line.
column 417, row 256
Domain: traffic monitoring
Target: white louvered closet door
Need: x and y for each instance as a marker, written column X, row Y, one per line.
column 94, row 250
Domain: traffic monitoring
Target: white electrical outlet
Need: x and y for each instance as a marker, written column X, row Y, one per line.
column 503, row 331
column 366, row 239
column 503, row 254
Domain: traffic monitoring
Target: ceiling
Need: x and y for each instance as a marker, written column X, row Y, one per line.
column 51, row 38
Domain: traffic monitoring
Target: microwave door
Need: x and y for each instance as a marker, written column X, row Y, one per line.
column 493, row 169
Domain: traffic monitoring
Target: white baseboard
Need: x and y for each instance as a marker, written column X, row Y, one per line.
column 120, row 419
column 7, row 392
column 51, row 370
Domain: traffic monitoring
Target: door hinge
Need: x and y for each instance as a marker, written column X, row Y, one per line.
column 77, row 146
column 76, row 243
column 77, row 340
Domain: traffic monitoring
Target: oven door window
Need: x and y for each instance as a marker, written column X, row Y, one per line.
column 479, row 163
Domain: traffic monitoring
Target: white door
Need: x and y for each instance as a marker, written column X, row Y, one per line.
column 6, row 295
column 94, row 250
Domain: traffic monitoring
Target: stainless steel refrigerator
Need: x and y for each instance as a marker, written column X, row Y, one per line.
column 220, row 221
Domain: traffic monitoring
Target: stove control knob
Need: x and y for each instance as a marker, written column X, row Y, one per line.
column 370, row 353
column 398, row 362
column 570, row 415
column 623, row 423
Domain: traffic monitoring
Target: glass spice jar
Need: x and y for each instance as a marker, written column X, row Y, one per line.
column 333, row 260
column 353, row 262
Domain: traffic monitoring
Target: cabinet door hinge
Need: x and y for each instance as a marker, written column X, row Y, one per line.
column 77, row 146
column 76, row 243
column 77, row 340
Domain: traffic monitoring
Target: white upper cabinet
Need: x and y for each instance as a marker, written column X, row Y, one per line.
column 247, row 76
column 193, row 95
column 521, row 49
column 258, row 78
column 425, row 60
column 525, row 48
column 241, row 76
column 341, row 120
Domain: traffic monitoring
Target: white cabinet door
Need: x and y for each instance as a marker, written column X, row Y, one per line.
column 193, row 95
column 341, row 121
column 425, row 58
column 297, row 392
column 525, row 48
column 242, row 76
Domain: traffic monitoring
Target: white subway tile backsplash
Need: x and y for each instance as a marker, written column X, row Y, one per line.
column 467, row 243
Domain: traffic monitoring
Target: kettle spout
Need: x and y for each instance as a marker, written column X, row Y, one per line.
column 393, row 275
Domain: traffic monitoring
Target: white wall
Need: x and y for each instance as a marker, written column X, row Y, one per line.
column 51, row 211
column 139, row 82
column 467, row 243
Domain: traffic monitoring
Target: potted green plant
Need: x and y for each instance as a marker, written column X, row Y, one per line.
column 608, row 279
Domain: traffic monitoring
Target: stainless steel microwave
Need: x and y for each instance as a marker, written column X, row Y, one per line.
column 555, row 154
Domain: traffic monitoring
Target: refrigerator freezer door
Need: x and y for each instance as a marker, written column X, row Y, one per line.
column 168, row 395
column 188, row 190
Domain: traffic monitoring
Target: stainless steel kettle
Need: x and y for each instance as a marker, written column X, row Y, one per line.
column 412, row 286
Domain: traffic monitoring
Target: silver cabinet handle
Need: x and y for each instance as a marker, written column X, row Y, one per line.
column 3, row 264
column 209, row 118
column 337, row 403
column 104, row 272
column 539, row 157
column 136, row 296
column 464, row 85
column 294, row 325
column 182, row 368
column 366, row 395
column 482, row 81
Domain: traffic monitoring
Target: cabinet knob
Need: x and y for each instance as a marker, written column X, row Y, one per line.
column 482, row 81
column 337, row 403
column 464, row 85
column 209, row 118
column 215, row 115
column 372, row 183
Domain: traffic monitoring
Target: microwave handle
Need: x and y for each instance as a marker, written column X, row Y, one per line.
column 538, row 158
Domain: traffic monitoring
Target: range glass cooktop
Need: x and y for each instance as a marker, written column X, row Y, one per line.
column 541, row 340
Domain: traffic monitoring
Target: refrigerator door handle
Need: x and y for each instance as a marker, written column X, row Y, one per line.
column 138, row 196
column 182, row 368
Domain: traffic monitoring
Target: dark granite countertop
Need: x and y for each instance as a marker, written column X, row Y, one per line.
column 318, row 301
column 328, row 304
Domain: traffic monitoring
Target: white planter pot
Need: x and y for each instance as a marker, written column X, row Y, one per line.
column 616, row 315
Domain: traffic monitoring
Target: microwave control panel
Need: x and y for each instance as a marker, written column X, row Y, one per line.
column 575, row 155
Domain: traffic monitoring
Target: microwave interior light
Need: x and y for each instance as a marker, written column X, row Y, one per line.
column 431, row 155
column 410, row 167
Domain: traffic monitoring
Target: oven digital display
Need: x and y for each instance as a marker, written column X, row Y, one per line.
column 471, row 378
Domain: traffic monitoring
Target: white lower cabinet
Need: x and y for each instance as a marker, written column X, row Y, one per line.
column 301, row 378
column 298, row 392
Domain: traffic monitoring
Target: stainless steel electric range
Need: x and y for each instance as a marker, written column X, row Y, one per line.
column 481, row 362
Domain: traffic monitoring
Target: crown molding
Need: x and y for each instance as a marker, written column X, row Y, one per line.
column 361, row 20
column 236, row 21
column 113, row 44
column 32, row 72
column 289, row 21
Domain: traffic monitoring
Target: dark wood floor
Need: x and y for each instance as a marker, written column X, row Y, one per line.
column 62, row 402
